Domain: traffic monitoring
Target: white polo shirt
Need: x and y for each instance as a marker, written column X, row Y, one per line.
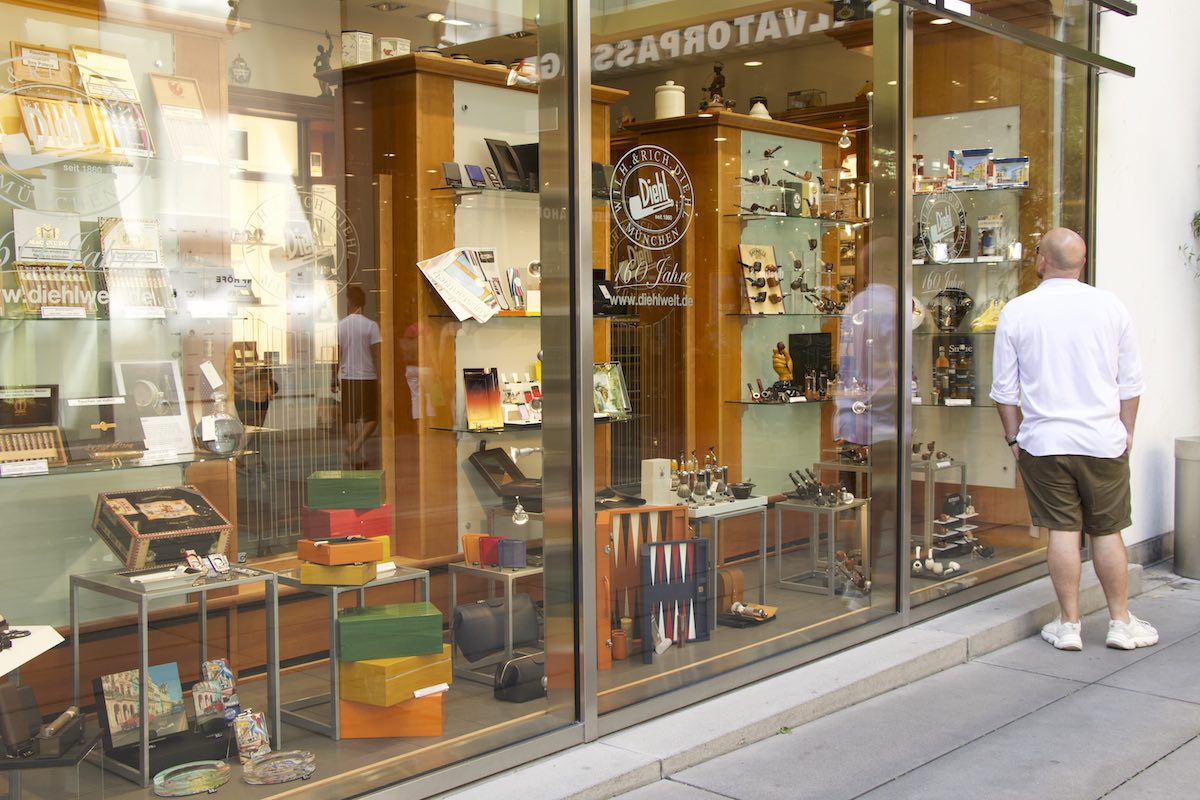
column 1066, row 353
column 356, row 334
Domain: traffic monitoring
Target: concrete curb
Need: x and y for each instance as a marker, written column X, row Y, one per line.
column 650, row 751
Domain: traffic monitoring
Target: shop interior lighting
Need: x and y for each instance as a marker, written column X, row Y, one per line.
column 844, row 139
column 753, row 64
column 941, row 21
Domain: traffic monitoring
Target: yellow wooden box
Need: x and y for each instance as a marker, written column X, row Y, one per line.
column 388, row 681
column 342, row 575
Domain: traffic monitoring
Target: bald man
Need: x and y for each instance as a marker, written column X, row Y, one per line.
column 1066, row 380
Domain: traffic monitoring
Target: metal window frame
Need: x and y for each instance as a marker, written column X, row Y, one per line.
column 1015, row 33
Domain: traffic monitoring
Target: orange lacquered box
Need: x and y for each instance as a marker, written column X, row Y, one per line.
column 335, row 552
column 422, row 716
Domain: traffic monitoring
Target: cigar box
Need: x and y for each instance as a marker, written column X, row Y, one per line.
column 328, row 523
column 334, row 552
column 33, row 443
column 340, row 575
column 423, row 716
column 345, row 489
column 389, row 631
column 386, row 682
column 152, row 527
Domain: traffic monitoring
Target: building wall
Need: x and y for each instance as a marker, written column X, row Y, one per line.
column 1149, row 188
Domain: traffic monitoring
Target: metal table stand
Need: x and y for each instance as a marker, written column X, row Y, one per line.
column 507, row 578
column 860, row 509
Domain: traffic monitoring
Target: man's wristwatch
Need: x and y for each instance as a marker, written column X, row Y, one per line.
column 1011, row 441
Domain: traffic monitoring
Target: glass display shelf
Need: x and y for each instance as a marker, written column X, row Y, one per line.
column 954, row 333
column 920, row 262
column 796, row 403
column 489, row 191
column 780, row 216
column 116, row 463
column 789, row 314
column 537, row 426
column 972, row 190
column 958, row 404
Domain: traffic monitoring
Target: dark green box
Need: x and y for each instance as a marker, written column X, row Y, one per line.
column 389, row 631
column 345, row 489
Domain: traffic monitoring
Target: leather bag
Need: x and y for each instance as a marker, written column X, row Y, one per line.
column 478, row 628
column 521, row 679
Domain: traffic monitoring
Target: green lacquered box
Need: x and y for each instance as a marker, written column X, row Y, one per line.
column 345, row 489
column 389, row 631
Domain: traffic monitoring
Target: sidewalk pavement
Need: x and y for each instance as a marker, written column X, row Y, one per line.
column 972, row 703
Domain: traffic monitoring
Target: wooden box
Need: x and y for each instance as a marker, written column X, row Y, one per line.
column 330, row 523
column 152, row 527
column 424, row 716
column 389, row 631
column 340, row 575
column 345, row 489
column 388, row 681
column 333, row 552
column 33, row 443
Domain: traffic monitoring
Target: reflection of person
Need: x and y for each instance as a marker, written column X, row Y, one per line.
column 1066, row 380
column 357, row 376
column 867, row 368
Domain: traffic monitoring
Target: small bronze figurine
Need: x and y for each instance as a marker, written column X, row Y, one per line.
column 321, row 64
column 716, row 90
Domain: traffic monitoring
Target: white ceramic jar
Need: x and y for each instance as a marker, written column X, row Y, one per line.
column 668, row 101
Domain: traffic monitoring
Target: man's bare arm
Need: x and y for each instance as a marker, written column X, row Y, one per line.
column 1010, row 420
column 1129, row 409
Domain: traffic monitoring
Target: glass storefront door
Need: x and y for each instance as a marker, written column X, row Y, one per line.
column 745, row 385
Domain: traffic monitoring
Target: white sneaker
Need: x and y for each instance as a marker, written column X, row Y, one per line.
column 1130, row 635
column 1064, row 635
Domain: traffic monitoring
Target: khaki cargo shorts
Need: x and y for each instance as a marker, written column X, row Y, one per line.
column 1072, row 493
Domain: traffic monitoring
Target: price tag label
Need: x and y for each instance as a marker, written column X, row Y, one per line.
column 39, row 466
column 212, row 376
column 95, row 401
column 208, row 428
column 62, row 312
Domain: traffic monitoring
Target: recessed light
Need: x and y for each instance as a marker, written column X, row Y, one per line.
column 703, row 115
column 433, row 16
column 386, row 6
column 891, row 83
column 941, row 21
column 718, row 138
column 980, row 102
column 752, row 64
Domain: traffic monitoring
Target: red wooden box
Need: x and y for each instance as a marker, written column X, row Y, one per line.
column 330, row 523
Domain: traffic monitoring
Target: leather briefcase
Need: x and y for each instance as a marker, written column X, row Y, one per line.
column 478, row 628
column 521, row 679
column 512, row 554
column 731, row 588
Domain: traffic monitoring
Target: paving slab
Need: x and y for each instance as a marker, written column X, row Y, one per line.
column 998, row 621
column 726, row 723
column 588, row 772
column 1077, row 748
column 670, row 790
column 1177, row 775
column 1096, row 661
column 1168, row 671
column 857, row 749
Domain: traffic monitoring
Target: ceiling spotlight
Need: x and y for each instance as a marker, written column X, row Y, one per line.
column 752, row 64
column 844, row 139
column 434, row 16
column 941, row 21
column 386, row 6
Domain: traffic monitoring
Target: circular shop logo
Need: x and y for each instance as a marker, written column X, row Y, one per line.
column 652, row 198
column 295, row 238
column 943, row 227
column 73, row 152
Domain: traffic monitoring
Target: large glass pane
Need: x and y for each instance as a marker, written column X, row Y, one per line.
column 999, row 159
column 271, row 373
column 1062, row 20
column 745, row 380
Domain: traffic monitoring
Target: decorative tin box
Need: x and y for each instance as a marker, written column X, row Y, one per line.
column 328, row 523
column 388, row 681
column 424, row 716
column 333, row 552
column 152, row 527
column 389, row 631
column 359, row 489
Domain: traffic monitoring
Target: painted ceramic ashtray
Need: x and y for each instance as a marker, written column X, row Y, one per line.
column 281, row 767
column 195, row 777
